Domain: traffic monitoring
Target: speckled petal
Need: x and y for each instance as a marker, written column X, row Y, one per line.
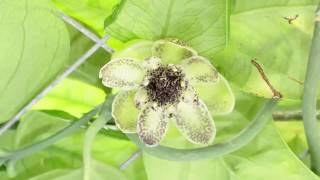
column 199, row 69
column 218, row 97
column 172, row 52
column 124, row 111
column 151, row 63
column 152, row 125
column 122, row 73
column 195, row 122
column 141, row 98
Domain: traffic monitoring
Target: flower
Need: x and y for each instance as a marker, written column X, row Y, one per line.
column 166, row 81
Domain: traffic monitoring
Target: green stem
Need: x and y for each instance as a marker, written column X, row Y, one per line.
column 31, row 149
column 310, row 99
column 216, row 150
column 91, row 133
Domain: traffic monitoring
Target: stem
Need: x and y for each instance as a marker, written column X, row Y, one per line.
column 216, row 150
column 31, row 149
column 91, row 133
column 310, row 99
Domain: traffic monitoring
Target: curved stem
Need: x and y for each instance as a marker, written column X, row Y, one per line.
column 91, row 133
column 21, row 153
column 310, row 99
column 216, row 150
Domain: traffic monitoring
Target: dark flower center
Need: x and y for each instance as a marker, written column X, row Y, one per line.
column 165, row 84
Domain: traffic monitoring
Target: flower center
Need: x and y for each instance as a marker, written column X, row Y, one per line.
column 165, row 84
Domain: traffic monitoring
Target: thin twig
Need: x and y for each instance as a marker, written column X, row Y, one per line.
column 291, row 19
column 276, row 94
column 290, row 115
column 68, row 71
column 85, row 31
column 132, row 158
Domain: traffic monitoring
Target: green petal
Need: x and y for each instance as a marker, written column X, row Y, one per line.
column 122, row 73
column 151, row 63
column 218, row 97
column 137, row 49
column 171, row 52
column 141, row 98
column 124, row 111
column 195, row 122
column 152, row 125
column 199, row 69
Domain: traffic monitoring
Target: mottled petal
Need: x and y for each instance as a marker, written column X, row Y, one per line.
column 122, row 73
column 151, row 63
column 193, row 119
column 152, row 125
column 218, row 97
column 171, row 52
column 124, row 111
column 199, row 69
column 195, row 122
column 141, row 98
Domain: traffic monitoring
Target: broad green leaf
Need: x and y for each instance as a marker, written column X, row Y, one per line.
column 282, row 51
column 266, row 157
column 34, row 45
column 91, row 13
column 100, row 171
column 67, row 153
column 73, row 96
column 202, row 24
column 248, row 5
column 293, row 133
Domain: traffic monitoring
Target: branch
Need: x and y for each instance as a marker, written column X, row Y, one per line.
column 310, row 98
column 289, row 115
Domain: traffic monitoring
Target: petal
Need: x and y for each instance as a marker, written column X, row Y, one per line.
column 199, row 69
column 171, row 52
column 151, row 63
column 218, row 97
column 137, row 49
column 152, row 125
column 122, row 73
column 141, row 98
column 124, row 112
column 195, row 122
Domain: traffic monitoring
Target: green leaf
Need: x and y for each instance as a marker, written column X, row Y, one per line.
column 266, row 157
column 282, row 50
column 34, row 47
column 202, row 24
column 248, row 5
column 100, row 171
column 74, row 96
column 91, row 13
